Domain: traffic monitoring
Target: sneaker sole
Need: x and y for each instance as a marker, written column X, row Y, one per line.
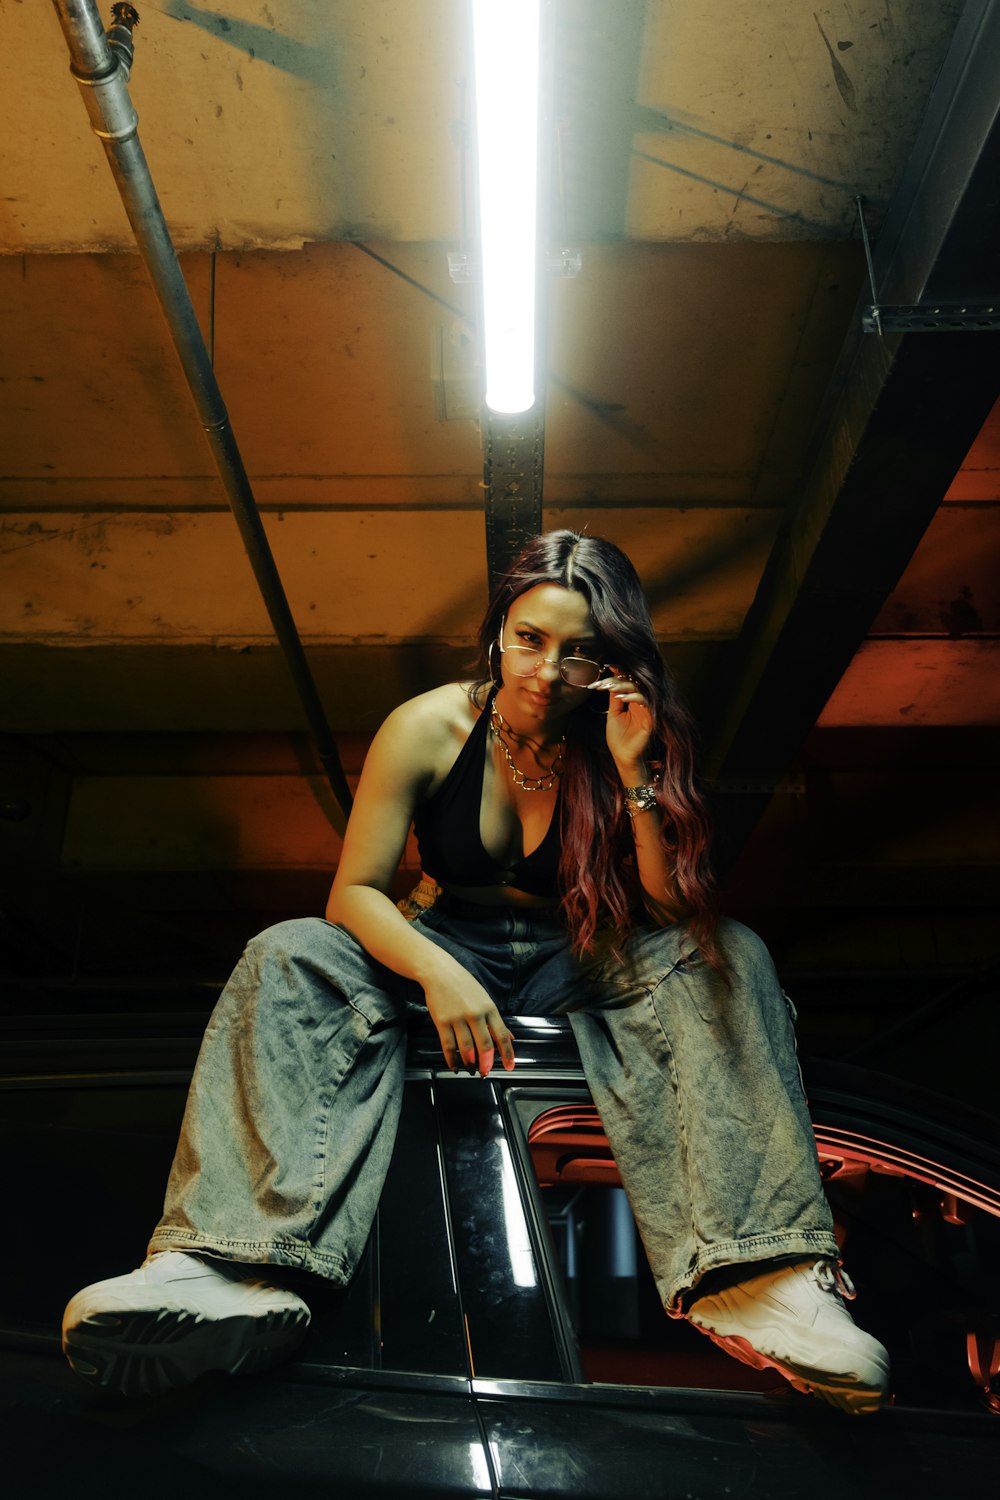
column 147, row 1352
column 858, row 1398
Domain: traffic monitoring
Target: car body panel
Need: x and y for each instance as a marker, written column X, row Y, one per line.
column 453, row 1364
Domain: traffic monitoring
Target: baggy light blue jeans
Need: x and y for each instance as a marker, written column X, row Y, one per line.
column 293, row 1108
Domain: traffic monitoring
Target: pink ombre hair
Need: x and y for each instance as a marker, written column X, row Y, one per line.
column 598, row 877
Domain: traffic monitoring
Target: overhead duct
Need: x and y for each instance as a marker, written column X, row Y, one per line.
column 101, row 63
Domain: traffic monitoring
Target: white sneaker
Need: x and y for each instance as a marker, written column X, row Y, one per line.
column 174, row 1318
column 793, row 1319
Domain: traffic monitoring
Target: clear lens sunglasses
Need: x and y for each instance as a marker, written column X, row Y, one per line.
column 524, row 661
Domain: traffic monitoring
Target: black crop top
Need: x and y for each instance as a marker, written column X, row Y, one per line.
column 447, row 829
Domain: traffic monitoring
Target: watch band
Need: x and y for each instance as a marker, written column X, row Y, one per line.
column 640, row 799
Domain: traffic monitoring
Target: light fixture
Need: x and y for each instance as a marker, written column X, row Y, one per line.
column 506, row 48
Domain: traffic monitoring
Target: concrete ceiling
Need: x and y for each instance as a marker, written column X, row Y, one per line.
column 325, row 120
column 310, row 161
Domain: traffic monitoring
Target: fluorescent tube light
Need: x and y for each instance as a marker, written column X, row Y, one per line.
column 505, row 44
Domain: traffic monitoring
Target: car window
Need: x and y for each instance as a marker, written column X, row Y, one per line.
column 502, row 1276
column 607, row 1290
column 419, row 1322
column 920, row 1239
column 400, row 1311
column 85, row 1164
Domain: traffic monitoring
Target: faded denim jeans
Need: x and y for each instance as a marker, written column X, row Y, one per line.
column 295, row 1100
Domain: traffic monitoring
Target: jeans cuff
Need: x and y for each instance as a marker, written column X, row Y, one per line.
column 749, row 1250
column 254, row 1252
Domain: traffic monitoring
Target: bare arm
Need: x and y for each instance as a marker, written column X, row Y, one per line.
column 399, row 767
column 629, row 729
column 655, row 873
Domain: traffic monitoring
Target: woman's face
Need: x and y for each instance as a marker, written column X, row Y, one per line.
column 555, row 621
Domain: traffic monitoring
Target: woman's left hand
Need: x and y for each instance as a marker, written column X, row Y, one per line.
column 630, row 723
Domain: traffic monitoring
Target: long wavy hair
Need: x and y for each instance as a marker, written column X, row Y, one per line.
column 598, row 874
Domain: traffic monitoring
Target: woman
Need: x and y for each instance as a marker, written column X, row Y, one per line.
column 556, row 811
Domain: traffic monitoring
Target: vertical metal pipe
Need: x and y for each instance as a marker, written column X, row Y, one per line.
column 103, row 74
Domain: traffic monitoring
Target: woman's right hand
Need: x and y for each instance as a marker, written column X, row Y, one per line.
column 468, row 1023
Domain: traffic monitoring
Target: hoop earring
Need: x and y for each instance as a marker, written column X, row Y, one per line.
column 495, row 677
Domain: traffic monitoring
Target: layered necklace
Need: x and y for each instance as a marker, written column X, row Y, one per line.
column 498, row 725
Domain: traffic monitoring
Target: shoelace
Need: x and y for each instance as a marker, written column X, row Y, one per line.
column 833, row 1278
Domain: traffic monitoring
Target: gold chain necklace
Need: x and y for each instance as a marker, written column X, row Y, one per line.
column 527, row 783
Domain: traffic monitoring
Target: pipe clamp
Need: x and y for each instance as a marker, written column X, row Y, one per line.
column 112, row 113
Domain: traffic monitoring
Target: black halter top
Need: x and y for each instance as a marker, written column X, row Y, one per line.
column 447, row 829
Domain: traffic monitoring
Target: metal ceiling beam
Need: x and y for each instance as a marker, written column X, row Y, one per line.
column 899, row 419
column 513, row 461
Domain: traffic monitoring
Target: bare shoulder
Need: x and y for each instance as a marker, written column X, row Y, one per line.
column 441, row 713
column 430, row 730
